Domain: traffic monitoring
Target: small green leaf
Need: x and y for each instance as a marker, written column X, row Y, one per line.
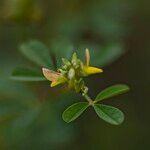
column 62, row 48
column 110, row 53
column 37, row 52
column 101, row 55
column 109, row 114
column 74, row 111
column 24, row 74
column 112, row 91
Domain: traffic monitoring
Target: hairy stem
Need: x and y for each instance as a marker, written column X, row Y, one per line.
column 84, row 92
column 88, row 98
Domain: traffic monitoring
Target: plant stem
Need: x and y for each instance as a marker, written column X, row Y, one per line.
column 84, row 92
column 87, row 97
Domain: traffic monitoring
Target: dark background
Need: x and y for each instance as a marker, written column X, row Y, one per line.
column 28, row 120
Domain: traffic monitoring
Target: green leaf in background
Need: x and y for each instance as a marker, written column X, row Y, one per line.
column 37, row 52
column 62, row 48
column 26, row 118
column 112, row 91
column 109, row 114
column 74, row 111
column 101, row 55
column 24, row 74
column 110, row 53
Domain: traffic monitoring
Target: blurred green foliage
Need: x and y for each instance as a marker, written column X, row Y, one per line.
column 30, row 112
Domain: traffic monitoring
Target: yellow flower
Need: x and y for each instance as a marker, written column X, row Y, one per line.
column 88, row 69
column 55, row 77
column 70, row 72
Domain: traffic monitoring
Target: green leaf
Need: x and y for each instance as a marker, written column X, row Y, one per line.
column 62, row 48
column 110, row 53
column 109, row 114
column 112, row 91
column 74, row 111
column 24, row 74
column 101, row 55
column 37, row 52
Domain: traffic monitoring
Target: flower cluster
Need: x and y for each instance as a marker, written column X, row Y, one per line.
column 72, row 72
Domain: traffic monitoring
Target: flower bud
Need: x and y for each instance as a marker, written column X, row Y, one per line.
column 66, row 62
column 71, row 73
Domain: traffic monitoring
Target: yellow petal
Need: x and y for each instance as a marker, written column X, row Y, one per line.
column 60, row 80
column 92, row 70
